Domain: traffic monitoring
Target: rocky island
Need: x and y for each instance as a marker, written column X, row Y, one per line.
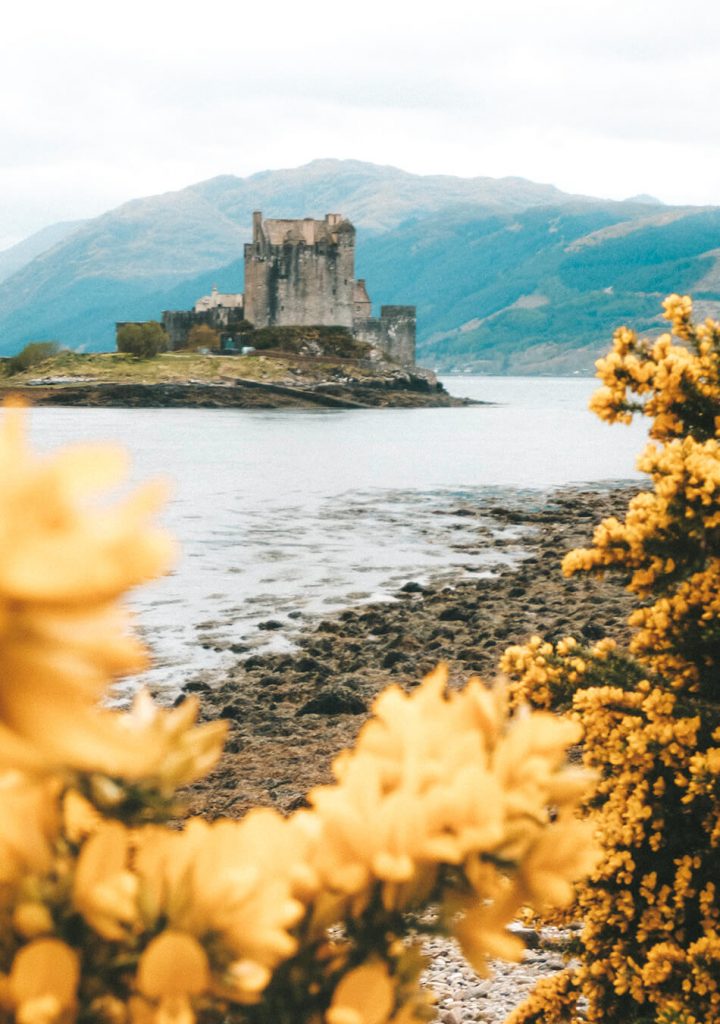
column 261, row 380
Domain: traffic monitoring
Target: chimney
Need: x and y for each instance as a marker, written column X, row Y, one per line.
column 257, row 226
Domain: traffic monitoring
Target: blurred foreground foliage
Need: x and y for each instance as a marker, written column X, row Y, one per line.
column 447, row 816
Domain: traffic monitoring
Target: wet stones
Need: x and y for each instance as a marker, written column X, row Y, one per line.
column 412, row 587
column 336, row 700
column 290, row 714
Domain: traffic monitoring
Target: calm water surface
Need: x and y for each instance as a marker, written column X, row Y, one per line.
column 283, row 515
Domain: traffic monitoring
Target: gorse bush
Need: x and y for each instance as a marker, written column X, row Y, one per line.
column 109, row 913
column 651, row 715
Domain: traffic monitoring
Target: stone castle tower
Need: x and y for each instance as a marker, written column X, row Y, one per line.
column 301, row 273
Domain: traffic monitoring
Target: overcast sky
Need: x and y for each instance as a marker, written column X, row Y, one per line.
column 100, row 103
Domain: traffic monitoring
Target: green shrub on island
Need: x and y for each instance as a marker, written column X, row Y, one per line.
column 145, row 341
column 203, row 336
column 34, row 353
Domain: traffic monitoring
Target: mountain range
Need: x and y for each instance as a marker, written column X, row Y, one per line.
column 509, row 276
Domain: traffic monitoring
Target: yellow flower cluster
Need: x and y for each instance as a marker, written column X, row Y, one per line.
column 675, row 385
column 548, row 675
column 110, row 914
column 64, row 637
column 651, row 717
column 667, row 543
column 444, row 800
column 440, row 779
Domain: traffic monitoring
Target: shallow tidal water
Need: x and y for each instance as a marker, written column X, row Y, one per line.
column 286, row 515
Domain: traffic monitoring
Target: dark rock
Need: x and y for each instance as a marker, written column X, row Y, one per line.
column 272, row 679
column 312, row 665
column 255, row 661
column 336, row 701
column 592, row 632
column 232, row 711
column 296, row 803
column 453, row 613
column 529, row 936
column 393, row 658
column 270, row 624
column 196, row 686
column 412, row 587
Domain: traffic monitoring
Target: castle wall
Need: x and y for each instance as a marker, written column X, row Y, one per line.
column 393, row 332
column 362, row 307
column 178, row 324
column 223, row 319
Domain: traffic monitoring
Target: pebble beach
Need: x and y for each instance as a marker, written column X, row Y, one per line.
column 291, row 713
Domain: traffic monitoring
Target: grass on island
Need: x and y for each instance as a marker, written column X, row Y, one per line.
column 181, row 367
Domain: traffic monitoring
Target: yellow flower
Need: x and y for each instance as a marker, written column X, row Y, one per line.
column 32, row 920
column 564, row 853
column 64, row 564
column 43, row 982
column 29, row 821
column 176, row 752
column 173, row 968
column 236, row 880
column 482, row 931
column 104, row 889
column 366, row 995
column 444, row 778
column 80, row 819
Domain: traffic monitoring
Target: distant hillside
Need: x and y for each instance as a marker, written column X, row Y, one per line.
column 18, row 256
column 508, row 275
column 541, row 291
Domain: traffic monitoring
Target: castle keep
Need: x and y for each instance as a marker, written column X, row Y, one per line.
column 301, row 273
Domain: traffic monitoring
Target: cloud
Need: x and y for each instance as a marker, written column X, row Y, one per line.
column 615, row 96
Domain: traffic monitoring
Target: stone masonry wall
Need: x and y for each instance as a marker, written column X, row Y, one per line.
column 179, row 323
column 393, row 332
column 296, row 283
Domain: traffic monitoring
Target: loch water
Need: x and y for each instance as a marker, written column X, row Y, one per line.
column 287, row 515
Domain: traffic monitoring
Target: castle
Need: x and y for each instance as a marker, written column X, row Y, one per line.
column 299, row 273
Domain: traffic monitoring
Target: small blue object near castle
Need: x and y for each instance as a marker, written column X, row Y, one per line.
column 300, row 273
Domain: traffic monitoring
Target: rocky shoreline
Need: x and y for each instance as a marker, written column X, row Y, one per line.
column 402, row 389
column 291, row 713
